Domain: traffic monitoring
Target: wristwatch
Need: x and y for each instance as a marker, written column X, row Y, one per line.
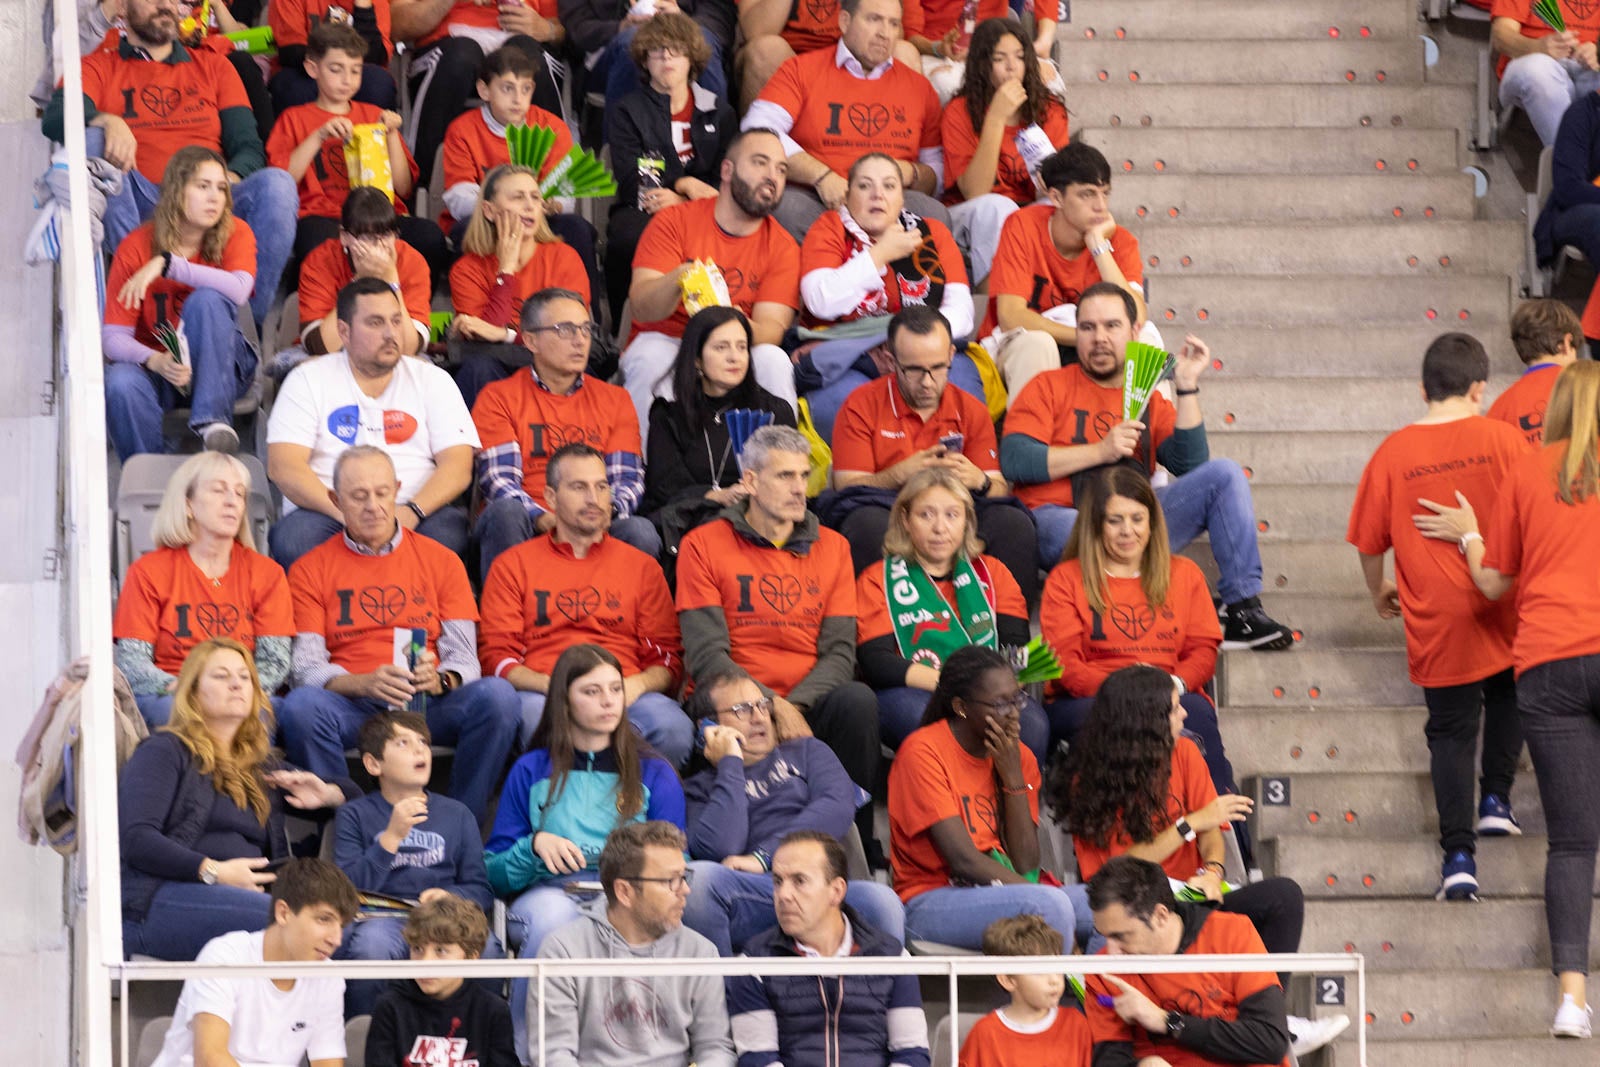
column 1183, row 828
column 448, row 680
column 208, row 872
column 1175, row 1024
column 416, row 510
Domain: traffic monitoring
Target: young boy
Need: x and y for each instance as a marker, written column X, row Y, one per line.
column 264, row 1021
column 442, row 1020
column 1458, row 644
column 403, row 841
column 368, row 246
column 292, row 22
column 1546, row 334
column 1035, row 1027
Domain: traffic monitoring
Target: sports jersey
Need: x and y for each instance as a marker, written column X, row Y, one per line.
column 875, row 428
column 1522, row 405
column 773, row 601
column 169, row 602
column 553, row 263
column 326, row 182
column 939, row 17
column 1581, row 16
column 763, row 268
column 1189, row 788
column 1551, row 548
column 520, row 409
column 1454, row 635
column 1027, row 264
column 1061, row 1041
column 356, row 601
column 473, row 147
column 872, row 602
column 1011, row 177
column 540, row 599
column 838, row 117
column 933, row 779
column 163, row 301
column 1066, row 407
column 472, row 15
column 326, row 270
column 293, row 20
column 815, row 23
column 829, row 247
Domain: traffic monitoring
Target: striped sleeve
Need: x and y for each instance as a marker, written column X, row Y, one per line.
column 754, row 1023
column 907, row 1024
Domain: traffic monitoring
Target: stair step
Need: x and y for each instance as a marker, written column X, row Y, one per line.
column 1303, row 512
column 1507, row 867
column 1226, row 19
column 1096, row 104
column 1189, row 301
column 1415, row 248
column 1275, row 459
column 1148, row 61
column 1321, row 677
column 1393, row 351
column 1288, row 405
column 1295, row 738
column 1276, row 198
column 1365, row 805
column 1486, row 1052
column 1455, row 1006
column 1409, row 935
column 1333, row 620
column 1276, row 151
column 1323, row 566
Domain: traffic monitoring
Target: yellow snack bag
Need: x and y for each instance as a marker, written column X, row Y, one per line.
column 366, row 157
column 704, row 287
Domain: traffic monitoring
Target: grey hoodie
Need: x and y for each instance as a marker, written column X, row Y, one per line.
column 623, row 1021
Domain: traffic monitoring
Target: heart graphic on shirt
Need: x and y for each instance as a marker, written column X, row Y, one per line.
column 781, row 592
column 382, row 603
column 734, row 277
column 1583, row 10
column 1134, row 622
column 869, row 119
column 1013, row 172
column 160, row 101
column 217, row 620
column 823, row 10
column 578, row 604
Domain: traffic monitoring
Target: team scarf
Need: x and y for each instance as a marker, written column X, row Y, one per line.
column 924, row 626
column 919, row 277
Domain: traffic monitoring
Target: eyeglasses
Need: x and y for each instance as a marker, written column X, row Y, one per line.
column 673, row 884
column 919, row 374
column 664, row 53
column 743, row 711
column 1014, row 702
column 567, row 331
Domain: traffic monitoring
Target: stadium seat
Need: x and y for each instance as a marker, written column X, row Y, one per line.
column 855, row 857
column 139, row 490
column 151, row 1037
column 355, row 1041
column 1543, row 280
column 431, row 199
column 940, row 1047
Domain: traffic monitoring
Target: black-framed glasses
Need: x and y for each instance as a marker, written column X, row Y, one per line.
column 673, row 884
column 744, row 710
column 1015, row 702
column 918, row 374
column 567, row 331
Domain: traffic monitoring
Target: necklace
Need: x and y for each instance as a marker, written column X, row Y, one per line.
column 711, row 461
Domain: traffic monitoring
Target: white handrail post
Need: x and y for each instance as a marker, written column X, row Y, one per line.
column 955, row 1018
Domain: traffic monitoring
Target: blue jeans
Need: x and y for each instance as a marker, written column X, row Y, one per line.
column 303, row 529
column 1068, row 714
column 958, row 916
column 1215, row 498
column 383, row 938
column 223, row 365
column 900, row 712
column 183, row 916
column 1544, row 87
column 826, row 402
column 505, row 523
column 728, row 907
column 657, row 718
column 531, row 918
column 479, row 719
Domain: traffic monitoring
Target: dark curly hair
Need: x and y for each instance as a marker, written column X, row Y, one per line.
column 1116, row 774
column 977, row 88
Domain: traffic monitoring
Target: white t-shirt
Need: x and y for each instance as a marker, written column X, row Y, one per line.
column 419, row 415
column 268, row 1027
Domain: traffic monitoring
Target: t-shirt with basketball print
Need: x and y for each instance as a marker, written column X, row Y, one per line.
column 1581, row 16
column 472, row 15
column 838, row 117
column 326, row 182
column 815, row 23
column 357, row 601
column 1189, row 788
column 1011, row 177
column 875, row 428
column 762, row 268
column 1028, row 264
column 293, row 20
column 473, row 147
column 553, row 264
column 520, row 409
column 1523, row 404
column 1065, row 407
column 327, row 269
column 829, row 247
column 169, row 602
column 163, row 300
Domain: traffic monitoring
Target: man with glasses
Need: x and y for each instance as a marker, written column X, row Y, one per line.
column 622, row 1020
column 523, row 419
column 761, row 786
column 891, row 428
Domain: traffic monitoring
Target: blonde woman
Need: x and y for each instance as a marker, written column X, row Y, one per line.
column 204, row 579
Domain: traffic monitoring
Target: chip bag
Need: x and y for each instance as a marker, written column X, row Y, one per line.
column 366, row 157
column 704, row 287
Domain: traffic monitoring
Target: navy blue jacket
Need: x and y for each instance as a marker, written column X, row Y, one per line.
column 1574, row 165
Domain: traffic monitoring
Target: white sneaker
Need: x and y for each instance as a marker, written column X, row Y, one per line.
column 1571, row 1020
column 219, row 437
column 1311, row 1034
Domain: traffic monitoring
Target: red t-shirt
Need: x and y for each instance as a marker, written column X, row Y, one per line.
column 1064, row 1043
column 814, row 24
column 520, row 409
column 1551, row 547
column 1027, row 264
column 1582, row 18
column 163, row 301
column 681, row 123
column 939, row 17
column 931, row 779
column 327, row 269
column 293, row 20
column 875, row 428
column 1066, row 407
column 553, row 263
column 873, row 603
column 838, row 116
column 472, row 149
column 167, row 601
column 763, row 268
column 1454, row 635
column 828, row 247
column 1523, row 404
column 480, row 16
column 326, row 182
column 1188, row 789
column 1011, row 177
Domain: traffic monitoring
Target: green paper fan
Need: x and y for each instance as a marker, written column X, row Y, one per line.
column 255, row 41
column 1549, row 12
column 580, row 174
column 529, row 146
column 1143, row 370
column 1039, row 663
column 1075, row 983
column 439, row 326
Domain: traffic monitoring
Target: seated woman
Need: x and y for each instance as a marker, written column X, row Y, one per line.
column 1118, row 597
column 946, row 595
column 177, row 282
column 508, row 254
column 860, row 263
column 201, row 807
column 670, row 122
column 954, row 873
column 996, row 132
column 203, row 577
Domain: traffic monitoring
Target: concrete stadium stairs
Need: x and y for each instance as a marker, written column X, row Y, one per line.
column 1294, row 174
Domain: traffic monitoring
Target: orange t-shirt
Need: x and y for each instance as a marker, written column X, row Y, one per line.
column 838, row 117
column 1011, row 177
column 931, row 779
column 1188, row 789
column 1207, row 995
column 814, row 24
column 472, row 149
column 480, row 16
column 763, row 268
column 1026, row 264
column 875, row 429
column 1181, row 638
column 293, row 20
column 326, row 182
column 539, row 600
column 993, row 1043
column 1523, row 404
column 939, row 17
column 1551, row 548
column 327, row 269
column 1582, row 18
column 167, row 105
column 167, row 601
column 356, row 601
column 1066, row 407
column 828, row 247
column 873, row 603
column 520, row 409
column 553, row 263
column 772, row 600
column 163, row 301
column 1454, row 635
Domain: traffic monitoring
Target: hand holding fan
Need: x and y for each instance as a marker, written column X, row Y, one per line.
column 176, row 345
column 1143, row 370
column 1038, row 663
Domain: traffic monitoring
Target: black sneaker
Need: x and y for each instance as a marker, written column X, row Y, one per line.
column 1246, row 625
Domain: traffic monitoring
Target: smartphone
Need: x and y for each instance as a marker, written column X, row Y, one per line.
column 953, row 442
column 584, row 889
column 705, row 724
column 274, row 866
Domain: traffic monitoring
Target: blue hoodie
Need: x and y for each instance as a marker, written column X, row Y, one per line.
column 444, row 851
column 737, row 810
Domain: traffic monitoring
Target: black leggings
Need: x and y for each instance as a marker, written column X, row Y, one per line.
column 1454, row 713
column 1276, row 908
column 846, row 720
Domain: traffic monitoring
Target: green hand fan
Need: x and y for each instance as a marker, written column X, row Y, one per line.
column 1039, row 663
column 1146, row 365
column 529, row 146
column 255, row 41
column 1549, row 12
column 439, row 326
column 580, row 174
column 1075, row 983
column 176, row 345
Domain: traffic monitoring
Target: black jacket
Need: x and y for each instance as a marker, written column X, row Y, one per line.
column 409, row 1027
column 641, row 124
column 678, row 458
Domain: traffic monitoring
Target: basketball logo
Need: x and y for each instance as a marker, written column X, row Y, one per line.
column 382, row 603
column 869, row 119
column 578, row 604
column 160, row 101
column 1134, row 622
column 781, row 592
column 217, row 620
